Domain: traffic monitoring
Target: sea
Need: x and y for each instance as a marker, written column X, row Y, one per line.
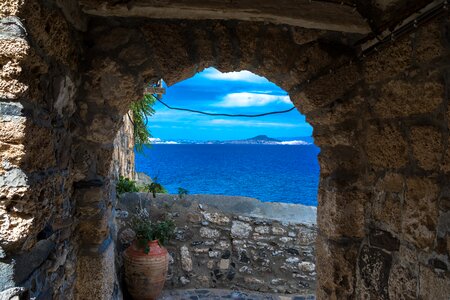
column 270, row 173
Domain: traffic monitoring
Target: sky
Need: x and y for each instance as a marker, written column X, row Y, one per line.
column 232, row 93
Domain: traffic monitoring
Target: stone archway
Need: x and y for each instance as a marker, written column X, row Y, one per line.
column 151, row 50
column 381, row 123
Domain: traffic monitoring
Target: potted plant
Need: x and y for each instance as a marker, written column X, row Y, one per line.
column 146, row 260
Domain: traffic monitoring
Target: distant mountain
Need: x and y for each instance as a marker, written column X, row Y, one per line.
column 257, row 140
column 262, row 138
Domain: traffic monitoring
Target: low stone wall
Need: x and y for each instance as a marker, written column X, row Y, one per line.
column 219, row 248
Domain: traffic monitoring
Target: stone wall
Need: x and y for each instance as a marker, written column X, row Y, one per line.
column 213, row 248
column 383, row 211
column 381, row 121
column 123, row 155
column 39, row 82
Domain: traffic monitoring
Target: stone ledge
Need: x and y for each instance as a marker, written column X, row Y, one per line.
column 244, row 206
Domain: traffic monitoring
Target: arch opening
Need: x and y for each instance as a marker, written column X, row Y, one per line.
column 234, row 93
column 301, row 67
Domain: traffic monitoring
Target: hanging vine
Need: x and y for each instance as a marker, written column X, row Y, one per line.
column 141, row 110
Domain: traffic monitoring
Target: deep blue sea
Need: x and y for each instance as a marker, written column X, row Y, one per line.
column 271, row 173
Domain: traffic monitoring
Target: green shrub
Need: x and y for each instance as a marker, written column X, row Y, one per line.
column 155, row 187
column 182, row 192
column 126, row 185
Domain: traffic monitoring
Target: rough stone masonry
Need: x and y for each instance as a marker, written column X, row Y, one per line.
column 229, row 248
column 70, row 69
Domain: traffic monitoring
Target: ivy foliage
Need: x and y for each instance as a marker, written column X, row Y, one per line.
column 141, row 110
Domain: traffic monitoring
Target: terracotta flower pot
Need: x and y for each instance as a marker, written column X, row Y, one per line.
column 145, row 274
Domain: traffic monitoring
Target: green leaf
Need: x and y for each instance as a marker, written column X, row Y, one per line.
column 141, row 110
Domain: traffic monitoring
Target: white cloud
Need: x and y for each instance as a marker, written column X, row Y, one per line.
column 246, row 76
column 250, row 123
column 245, row 99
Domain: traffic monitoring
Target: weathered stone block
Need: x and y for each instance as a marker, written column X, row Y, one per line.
column 292, row 260
column 420, row 212
column 340, row 158
column 223, row 245
column 13, row 48
column 308, row 62
column 96, row 275
column 278, row 230
column 216, row 218
column 39, row 155
column 405, row 98
column 134, row 55
column 402, row 283
column 337, row 135
column 15, row 228
column 246, row 34
column 392, row 60
column 387, row 209
column 203, row 47
column 50, row 30
column 374, row 266
column 337, row 111
column 306, row 236
column 409, row 256
column 240, row 229
column 28, row 262
column 391, row 182
column 93, row 232
column 6, row 275
column 326, row 89
column 427, row 146
column 201, row 250
column 114, row 38
column 89, row 196
column 430, row 42
column 341, row 213
column 445, row 167
column 10, row 8
column 10, row 157
column 433, row 285
column 213, row 254
column 186, row 260
column 209, row 233
column 224, row 264
column 194, row 217
column 336, row 278
column 12, row 89
column 262, row 229
column 386, row 147
column 307, row 267
column 178, row 64
column 384, row 240
column 224, row 47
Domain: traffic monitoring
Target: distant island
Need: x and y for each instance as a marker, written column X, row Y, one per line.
column 257, row 140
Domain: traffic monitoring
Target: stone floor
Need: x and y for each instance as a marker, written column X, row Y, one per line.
column 227, row 294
